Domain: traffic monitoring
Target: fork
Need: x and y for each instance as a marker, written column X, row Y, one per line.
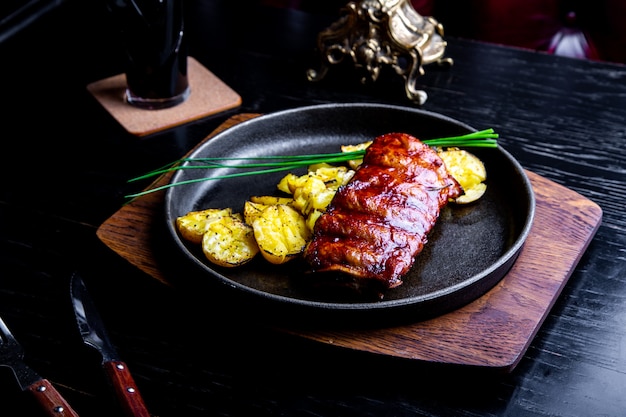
column 11, row 356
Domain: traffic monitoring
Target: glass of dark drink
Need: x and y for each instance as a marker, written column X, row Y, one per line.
column 152, row 32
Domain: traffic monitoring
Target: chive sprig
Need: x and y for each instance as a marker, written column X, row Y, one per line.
column 270, row 164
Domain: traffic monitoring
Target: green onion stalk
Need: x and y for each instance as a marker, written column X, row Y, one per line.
column 269, row 164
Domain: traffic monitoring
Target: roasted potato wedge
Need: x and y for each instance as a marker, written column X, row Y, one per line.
column 354, row 163
column 310, row 194
column 312, row 218
column 281, row 233
column 253, row 207
column 314, row 190
column 252, row 210
column 468, row 170
column 270, row 200
column 229, row 241
column 193, row 224
column 333, row 176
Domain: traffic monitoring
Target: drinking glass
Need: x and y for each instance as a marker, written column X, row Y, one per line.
column 152, row 32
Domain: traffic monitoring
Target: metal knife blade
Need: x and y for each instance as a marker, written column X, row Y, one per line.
column 11, row 356
column 93, row 332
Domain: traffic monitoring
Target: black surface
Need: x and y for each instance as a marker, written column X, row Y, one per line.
column 561, row 118
column 470, row 249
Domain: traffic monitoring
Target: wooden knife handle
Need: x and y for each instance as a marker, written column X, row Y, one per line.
column 125, row 389
column 51, row 400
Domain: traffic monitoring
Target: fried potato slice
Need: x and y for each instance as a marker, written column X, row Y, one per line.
column 468, row 170
column 281, row 233
column 193, row 224
column 229, row 241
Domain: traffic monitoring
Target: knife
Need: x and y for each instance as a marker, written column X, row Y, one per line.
column 11, row 356
column 94, row 335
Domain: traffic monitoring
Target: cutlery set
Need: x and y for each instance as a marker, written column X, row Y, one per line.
column 93, row 333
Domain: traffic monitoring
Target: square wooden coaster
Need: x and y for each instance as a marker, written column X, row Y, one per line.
column 209, row 95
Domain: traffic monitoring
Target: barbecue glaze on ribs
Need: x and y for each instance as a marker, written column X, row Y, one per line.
column 378, row 223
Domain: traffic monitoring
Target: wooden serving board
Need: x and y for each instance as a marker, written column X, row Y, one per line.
column 492, row 332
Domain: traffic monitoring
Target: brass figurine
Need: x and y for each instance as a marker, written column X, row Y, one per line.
column 375, row 33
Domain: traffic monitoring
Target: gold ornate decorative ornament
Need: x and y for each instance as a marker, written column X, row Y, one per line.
column 378, row 33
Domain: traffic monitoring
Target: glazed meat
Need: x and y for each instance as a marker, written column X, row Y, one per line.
column 378, row 223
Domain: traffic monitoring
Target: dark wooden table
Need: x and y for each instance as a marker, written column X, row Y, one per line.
column 65, row 163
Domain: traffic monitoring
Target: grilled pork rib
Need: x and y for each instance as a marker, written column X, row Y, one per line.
column 378, row 223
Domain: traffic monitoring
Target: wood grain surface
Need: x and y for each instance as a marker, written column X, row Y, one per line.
column 493, row 331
